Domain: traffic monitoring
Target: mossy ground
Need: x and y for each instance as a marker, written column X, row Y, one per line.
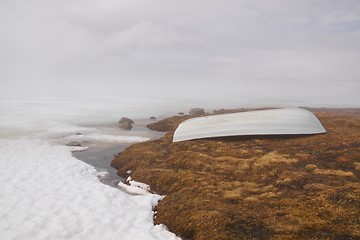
column 279, row 187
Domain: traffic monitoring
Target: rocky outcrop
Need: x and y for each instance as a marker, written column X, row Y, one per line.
column 125, row 119
column 125, row 126
column 152, row 118
column 197, row 112
column 126, row 123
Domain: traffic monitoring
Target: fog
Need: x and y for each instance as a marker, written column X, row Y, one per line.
column 163, row 52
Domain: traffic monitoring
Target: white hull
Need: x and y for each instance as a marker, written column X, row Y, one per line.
column 264, row 122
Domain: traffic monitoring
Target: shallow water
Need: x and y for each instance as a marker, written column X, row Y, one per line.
column 101, row 160
column 100, row 154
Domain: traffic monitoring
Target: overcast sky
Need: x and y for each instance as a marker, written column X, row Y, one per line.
column 241, row 50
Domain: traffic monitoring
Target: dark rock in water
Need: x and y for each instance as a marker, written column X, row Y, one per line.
column 181, row 113
column 125, row 125
column 78, row 133
column 197, row 112
column 126, row 120
column 74, row 144
column 152, row 118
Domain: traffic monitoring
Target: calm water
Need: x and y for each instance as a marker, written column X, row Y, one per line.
column 101, row 160
column 101, row 154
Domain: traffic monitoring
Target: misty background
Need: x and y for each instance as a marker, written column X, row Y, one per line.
column 198, row 52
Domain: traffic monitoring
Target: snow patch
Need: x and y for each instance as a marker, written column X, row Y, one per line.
column 46, row 193
column 78, row 149
column 107, row 138
column 134, row 187
column 138, row 184
column 103, row 174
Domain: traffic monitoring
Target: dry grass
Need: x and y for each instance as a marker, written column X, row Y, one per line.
column 256, row 188
column 334, row 172
column 271, row 159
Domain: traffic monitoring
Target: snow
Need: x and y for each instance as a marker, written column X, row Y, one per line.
column 78, row 148
column 134, row 187
column 133, row 190
column 106, row 138
column 139, row 184
column 46, row 193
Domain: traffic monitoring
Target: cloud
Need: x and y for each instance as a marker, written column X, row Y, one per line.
column 170, row 48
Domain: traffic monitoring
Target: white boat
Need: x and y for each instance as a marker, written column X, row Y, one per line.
column 264, row 122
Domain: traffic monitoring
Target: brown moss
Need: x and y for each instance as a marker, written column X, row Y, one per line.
column 334, row 172
column 169, row 124
column 279, row 187
column 357, row 166
column 272, row 158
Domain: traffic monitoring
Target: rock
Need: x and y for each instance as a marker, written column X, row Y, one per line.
column 181, row 113
column 78, row 133
column 197, row 112
column 126, row 120
column 74, row 144
column 152, row 118
column 125, row 125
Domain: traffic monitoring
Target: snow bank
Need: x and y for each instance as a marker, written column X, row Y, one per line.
column 48, row 194
column 107, row 138
column 134, row 187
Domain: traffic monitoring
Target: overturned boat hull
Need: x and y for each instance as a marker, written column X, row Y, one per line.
column 264, row 122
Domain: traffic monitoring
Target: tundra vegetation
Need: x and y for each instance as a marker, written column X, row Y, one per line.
column 264, row 187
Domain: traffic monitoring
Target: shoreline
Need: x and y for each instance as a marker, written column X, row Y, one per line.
column 101, row 153
column 101, row 160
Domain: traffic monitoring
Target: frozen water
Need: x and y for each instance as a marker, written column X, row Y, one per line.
column 47, row 193
column 106, row 138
